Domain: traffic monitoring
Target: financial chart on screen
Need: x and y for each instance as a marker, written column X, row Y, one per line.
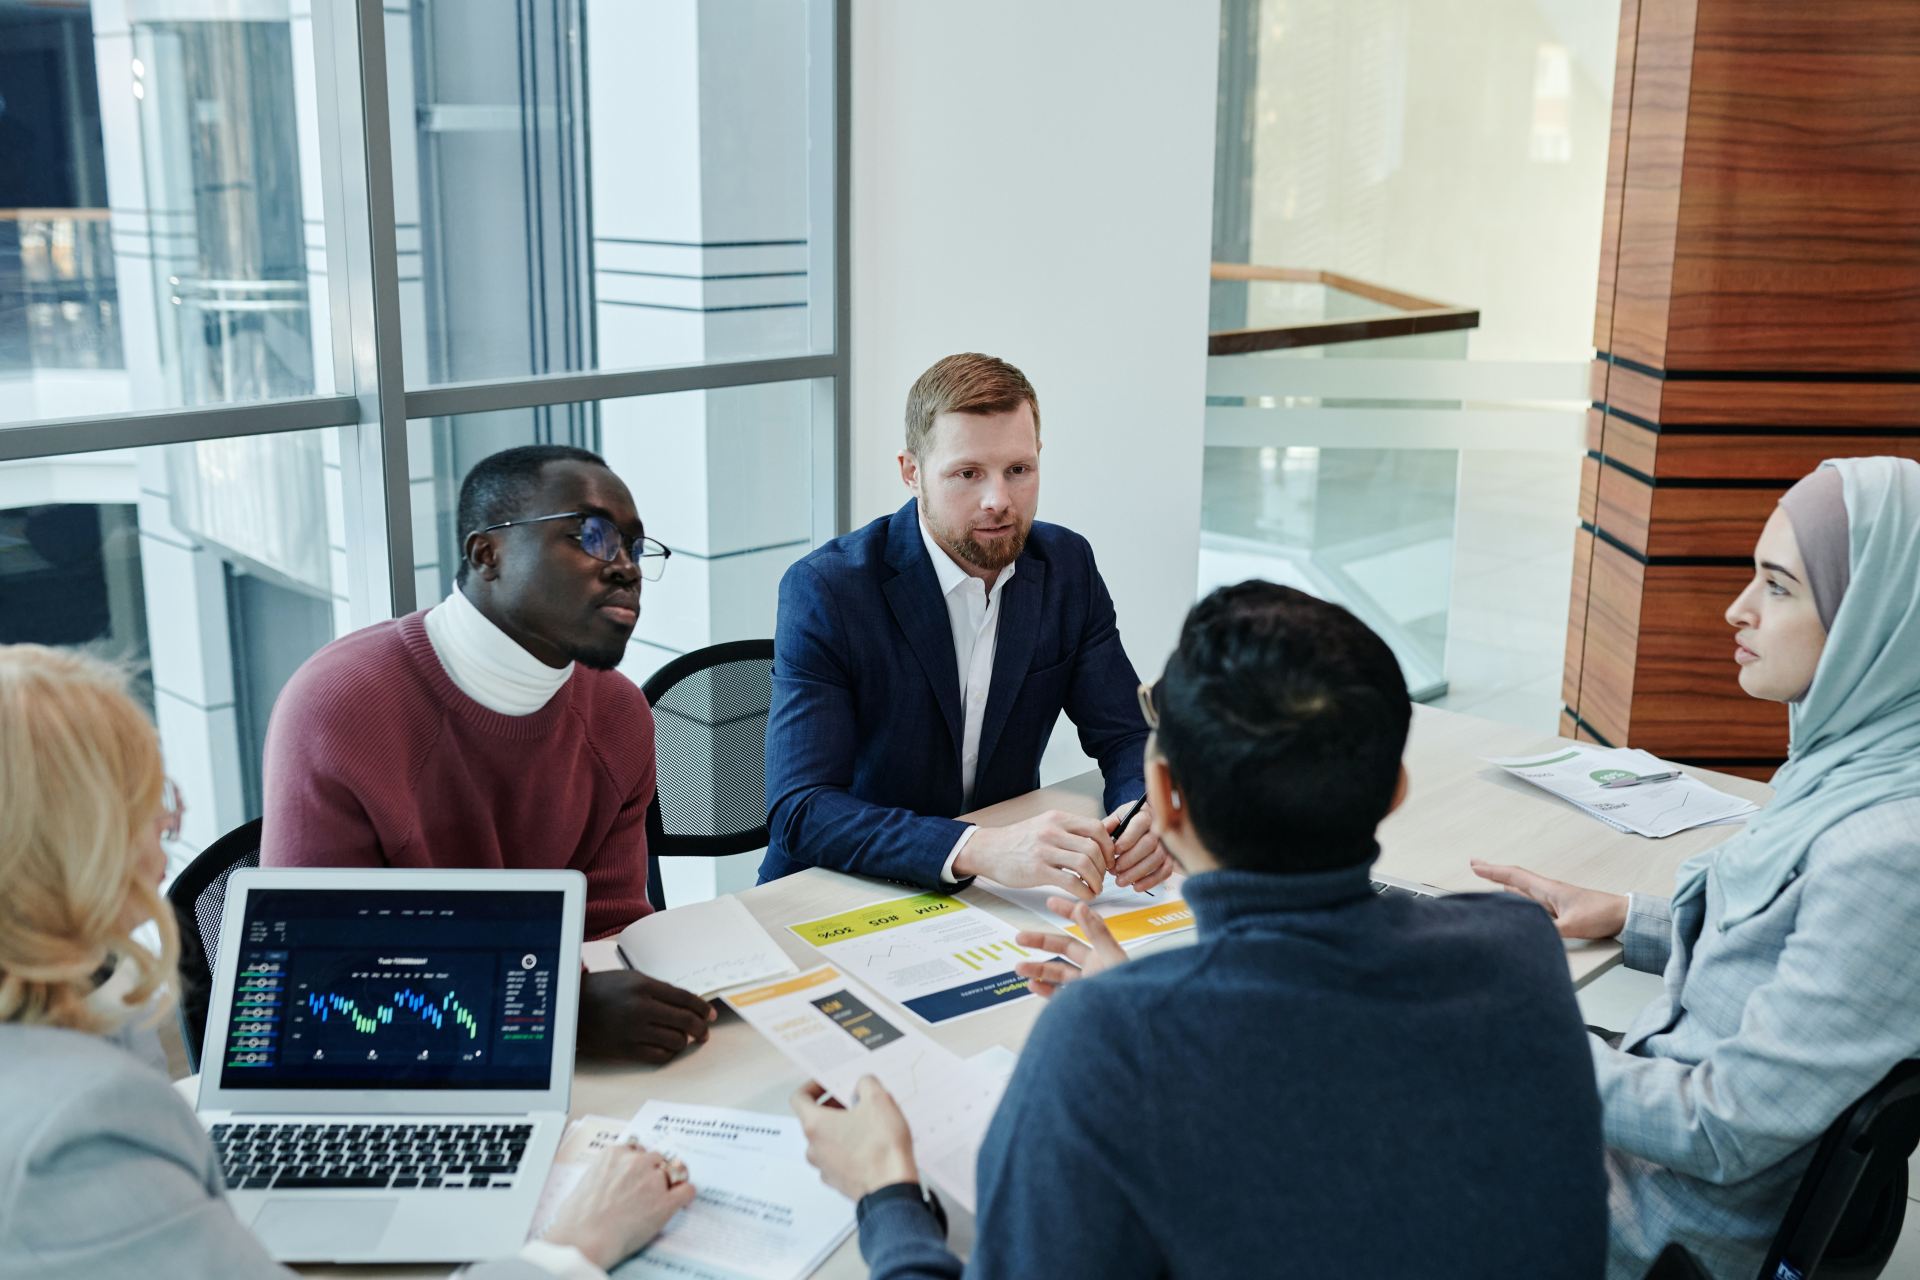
column 400, row 989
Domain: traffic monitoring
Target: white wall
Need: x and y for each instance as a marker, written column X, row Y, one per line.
column 1035, row 181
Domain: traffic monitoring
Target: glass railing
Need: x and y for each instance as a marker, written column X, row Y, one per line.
column 1336, row 413
column 59, row 297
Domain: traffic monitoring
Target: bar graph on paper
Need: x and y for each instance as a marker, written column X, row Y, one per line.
column 994, row 956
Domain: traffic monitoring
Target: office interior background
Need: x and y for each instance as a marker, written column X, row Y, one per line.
column 275, row 273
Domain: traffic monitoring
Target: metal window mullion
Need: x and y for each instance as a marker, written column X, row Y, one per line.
column 374, row 468
column 842, row 462
column 530, row 393
column 61, row 436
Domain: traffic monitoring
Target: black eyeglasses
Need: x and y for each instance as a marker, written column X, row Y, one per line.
column 601, row 538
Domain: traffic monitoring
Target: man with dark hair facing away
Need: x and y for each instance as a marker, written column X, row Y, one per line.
column 921, row 663
column 492, row 729
column 1330, row 1082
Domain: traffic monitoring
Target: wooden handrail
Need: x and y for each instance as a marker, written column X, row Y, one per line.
column 54, row 215
column 1412, row 314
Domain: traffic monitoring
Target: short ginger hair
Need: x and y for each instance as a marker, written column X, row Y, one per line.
column 966, row 383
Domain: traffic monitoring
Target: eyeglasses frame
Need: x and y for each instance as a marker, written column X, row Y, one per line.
column 627, row 544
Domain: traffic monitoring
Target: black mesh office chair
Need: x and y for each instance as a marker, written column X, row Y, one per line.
column 199, row 896
column 1845, row 1219
column 1675, row 1263
column 710, row 738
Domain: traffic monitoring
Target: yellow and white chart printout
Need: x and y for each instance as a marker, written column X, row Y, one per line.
column 837, row 1031
column 1133, row 917
column 937, row 956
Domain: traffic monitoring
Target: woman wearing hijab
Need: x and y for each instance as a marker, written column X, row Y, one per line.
column 104, row 1170
column 1791, row 971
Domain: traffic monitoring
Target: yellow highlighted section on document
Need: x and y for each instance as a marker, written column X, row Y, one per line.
column 876, row 916
column 939, row 957
column 1145, row 922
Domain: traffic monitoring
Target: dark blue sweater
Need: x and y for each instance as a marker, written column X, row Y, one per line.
column 1328, row 1083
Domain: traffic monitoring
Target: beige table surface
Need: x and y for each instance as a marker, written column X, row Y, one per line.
column 1457, row 807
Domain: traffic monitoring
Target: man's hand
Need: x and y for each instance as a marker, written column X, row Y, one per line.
column 621, row 1204
column 1140, row 862
column 1055, row 850
column 860, row 1148
column 630, row 1016
column 1576, row 912
column 1100, row 951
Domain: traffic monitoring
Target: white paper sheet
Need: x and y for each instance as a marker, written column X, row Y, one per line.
column 760, row 1211
column 1577, row 774
column 836, row 1031
column 704, row 947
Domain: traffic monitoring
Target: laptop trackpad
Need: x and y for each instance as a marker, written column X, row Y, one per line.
column 298, row 1228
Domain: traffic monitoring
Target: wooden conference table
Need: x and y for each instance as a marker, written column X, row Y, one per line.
column 1457, row 807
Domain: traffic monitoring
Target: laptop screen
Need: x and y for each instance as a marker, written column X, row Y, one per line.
column 394, row 989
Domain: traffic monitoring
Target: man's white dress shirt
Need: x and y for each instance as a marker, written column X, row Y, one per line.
column 973, row 613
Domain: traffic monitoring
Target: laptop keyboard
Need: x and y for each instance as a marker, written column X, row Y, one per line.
column 1397, row 891
column 254, row 1157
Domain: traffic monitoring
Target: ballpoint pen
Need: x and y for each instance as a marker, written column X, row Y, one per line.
column 1127, row 822
column 1617, row 783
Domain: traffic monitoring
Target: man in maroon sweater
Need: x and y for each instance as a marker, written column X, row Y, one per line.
column 492, row 730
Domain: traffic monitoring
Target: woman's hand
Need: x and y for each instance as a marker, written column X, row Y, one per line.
column 625, row 1199
column 1099, row 951
column 1576, row 912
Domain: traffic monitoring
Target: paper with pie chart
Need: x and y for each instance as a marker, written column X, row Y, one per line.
column 937, row 956
column 837, row 1032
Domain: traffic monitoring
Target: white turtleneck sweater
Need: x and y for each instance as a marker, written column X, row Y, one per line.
column 487, row 664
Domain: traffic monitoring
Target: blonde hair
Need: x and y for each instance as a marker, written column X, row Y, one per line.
column 965, row 383
column 80, row 789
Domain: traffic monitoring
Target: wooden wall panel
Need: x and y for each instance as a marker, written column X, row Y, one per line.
column 1779, row 458
column 1816, row 406
column 1625, row 507
column 1721, row 523
column 1616, row 179
column 1589, row 489
column 1576, row 619
column 1612, row 643
column 1631, row 445
column 1796, row 241
column 1650, row 199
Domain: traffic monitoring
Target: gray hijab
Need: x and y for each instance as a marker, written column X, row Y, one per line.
column 1817, row 505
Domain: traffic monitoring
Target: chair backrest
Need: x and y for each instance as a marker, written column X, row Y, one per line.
column 710, row 738
column 1845, row 1217
column 199, row 897
column 1675, row 1263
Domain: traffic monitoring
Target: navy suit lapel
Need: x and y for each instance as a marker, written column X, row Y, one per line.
column 1019, row 630
column 913, row 594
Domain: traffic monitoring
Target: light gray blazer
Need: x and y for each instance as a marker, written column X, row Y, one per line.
column 105, row 1172
column 1765, row 1034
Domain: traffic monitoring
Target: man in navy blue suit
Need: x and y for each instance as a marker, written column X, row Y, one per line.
column 920, row 664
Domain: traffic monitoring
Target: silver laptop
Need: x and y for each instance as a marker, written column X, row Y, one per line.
column 1395, row 887
column 389, row 1056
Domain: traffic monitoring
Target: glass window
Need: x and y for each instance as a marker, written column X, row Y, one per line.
column 163, row 245
column 724, row 478
column 658, row 182
column 214, row 568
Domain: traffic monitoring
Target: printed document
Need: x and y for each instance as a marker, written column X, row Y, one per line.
column 1577, row 773
column 938, row 956
column 580, row 1146
column 1132, row 917
column 760, row 1210
column 704, row 948
column 834, row 1030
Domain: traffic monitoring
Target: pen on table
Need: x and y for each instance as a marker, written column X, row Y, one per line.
column 1127, row 822
column 1617, row 783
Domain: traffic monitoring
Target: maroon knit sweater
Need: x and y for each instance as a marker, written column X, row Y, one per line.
column 376, row 759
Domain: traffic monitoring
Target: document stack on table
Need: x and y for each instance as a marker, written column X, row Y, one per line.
column 1133, row 917
column 760, row 1212
column 704, row 948
column 1628, row 789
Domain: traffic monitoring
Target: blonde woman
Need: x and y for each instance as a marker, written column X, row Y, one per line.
column 104, row 1170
